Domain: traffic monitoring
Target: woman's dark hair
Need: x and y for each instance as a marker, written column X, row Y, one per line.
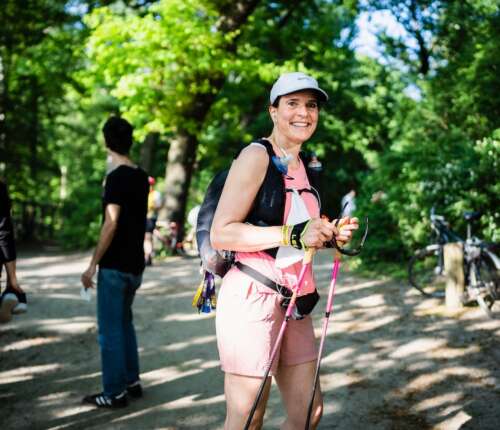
column 118, row 135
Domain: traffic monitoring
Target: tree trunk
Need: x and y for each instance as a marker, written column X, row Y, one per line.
column 181, row 157
column 182, row 152
column 423, row 52
column 148, row 151
column 34, row 128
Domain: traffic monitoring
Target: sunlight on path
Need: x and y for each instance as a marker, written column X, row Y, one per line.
column 391, row 359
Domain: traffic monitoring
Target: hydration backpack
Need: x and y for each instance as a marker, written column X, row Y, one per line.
column 219, row 262
column 213, row 261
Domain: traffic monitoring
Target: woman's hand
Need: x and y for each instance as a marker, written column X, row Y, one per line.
column 345, row 229
column 318, row 232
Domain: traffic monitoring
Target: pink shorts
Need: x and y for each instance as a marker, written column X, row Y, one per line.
column 248, row 320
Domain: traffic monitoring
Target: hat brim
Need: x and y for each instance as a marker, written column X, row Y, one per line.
column 322, row 95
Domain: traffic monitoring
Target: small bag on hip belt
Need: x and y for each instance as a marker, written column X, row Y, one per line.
column 304, row 305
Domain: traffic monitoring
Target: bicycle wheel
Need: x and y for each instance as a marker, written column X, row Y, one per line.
column 490, row 277
column 487, row 284
column 426, row 271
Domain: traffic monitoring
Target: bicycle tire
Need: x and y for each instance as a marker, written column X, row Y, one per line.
column 488, row 283
column 490, row 275
column 425, row 273
column 486, row 307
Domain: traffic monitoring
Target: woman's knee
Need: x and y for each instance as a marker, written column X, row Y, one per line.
column 240, row 392
column 238, row 412
column 298, row 420
column 237, row 418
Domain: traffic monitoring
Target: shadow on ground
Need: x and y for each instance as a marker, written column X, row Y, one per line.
column 392, row 360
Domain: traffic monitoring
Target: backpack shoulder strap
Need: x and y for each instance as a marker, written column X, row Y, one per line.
column 259, row 142
column 266, row 144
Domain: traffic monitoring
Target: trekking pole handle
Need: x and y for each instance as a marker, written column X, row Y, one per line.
column 336, row 253
column 308, row 256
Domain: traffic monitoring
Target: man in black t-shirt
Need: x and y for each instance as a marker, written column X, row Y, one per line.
column 120, row 256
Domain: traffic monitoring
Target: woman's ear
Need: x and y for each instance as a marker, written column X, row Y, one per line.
column 272, row 112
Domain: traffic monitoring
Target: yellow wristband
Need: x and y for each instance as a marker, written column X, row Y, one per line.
column 285, row 235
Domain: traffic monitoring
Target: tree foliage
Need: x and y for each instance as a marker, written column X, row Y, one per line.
column 413, row 129
column 443, row 150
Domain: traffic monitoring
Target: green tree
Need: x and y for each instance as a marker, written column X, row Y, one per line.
column 443, row 144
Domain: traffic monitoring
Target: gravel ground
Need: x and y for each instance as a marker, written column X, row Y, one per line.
column 392, row 360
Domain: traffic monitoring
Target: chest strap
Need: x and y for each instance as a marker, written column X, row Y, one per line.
column 300, row 190
column 311, row 190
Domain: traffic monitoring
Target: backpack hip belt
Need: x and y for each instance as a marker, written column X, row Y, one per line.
column 303, row 304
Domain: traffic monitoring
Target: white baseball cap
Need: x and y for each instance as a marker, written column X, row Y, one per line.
column 291, row 82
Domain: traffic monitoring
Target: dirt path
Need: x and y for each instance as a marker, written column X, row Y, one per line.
column 392, row 360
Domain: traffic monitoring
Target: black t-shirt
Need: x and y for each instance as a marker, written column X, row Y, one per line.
column 127, row 187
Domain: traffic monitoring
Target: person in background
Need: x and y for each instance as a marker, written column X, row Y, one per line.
column 13, row 299
column 348, row 204
column 154, row 205
column 192, row 219
column 120, row 256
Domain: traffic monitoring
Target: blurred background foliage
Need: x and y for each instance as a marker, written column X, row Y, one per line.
column 415, row 126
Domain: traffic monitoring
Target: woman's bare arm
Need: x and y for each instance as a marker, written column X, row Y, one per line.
column 242, row 185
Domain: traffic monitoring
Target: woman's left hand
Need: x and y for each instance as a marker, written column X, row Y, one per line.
column 346, row 227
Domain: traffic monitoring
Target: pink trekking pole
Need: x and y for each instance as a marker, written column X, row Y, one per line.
column 328, row 310
column 306, row 262
column 338, row 251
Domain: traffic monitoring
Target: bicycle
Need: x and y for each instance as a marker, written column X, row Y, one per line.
column 481, row 267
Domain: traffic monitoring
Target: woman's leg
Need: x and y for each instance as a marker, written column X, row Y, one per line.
column 248, row 320
column 295, row 384
column 240, row 392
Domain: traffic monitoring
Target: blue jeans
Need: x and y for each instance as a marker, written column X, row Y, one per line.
column 117, row 341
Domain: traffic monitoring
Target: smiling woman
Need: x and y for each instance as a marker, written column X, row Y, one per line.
column 269, row 214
